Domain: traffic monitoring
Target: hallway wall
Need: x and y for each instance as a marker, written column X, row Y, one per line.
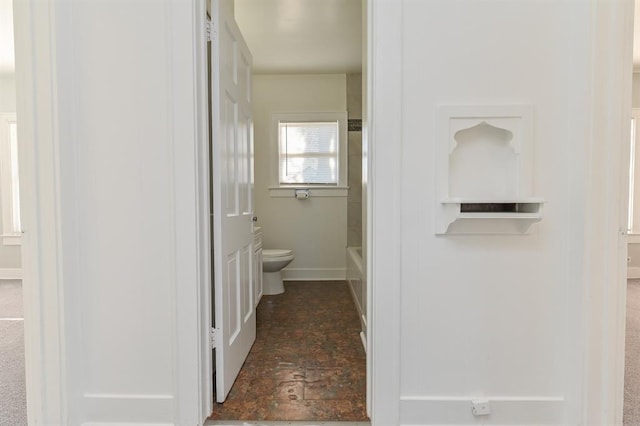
column 489, row 316
column 517, row 319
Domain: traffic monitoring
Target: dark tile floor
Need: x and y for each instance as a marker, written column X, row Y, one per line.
column 307, row 362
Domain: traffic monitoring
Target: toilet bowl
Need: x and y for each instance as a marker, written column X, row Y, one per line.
column 273, row 260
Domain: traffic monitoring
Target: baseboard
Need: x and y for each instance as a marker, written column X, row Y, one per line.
column 633, row 272
column 314, row 274
column 124, row 409
column 504, row 410
column 10, row 273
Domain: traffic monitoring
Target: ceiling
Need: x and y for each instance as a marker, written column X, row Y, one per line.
column 7, row 65
column 286, row 36
column 302, row 36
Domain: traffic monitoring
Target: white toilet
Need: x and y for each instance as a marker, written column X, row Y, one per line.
column 273, row 260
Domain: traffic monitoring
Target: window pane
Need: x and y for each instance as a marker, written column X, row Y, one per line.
column 308, row 152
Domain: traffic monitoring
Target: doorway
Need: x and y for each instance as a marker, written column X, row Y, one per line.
column 278, row 82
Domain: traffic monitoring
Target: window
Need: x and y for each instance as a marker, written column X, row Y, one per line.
column 9, row 180
column 310, row 151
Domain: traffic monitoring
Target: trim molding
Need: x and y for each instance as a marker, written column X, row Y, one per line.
column 36, row 38
column 129, row 408
column 440, row 410
column 604, row 244
column 10, row 273
column 384, row 214
column 633, row 272
column 314, row 191
column 314, row 274
column 186, row 72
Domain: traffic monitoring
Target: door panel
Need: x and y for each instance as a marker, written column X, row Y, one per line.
column 232, row 171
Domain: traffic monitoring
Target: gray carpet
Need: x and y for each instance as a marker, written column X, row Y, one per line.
column 13, row 397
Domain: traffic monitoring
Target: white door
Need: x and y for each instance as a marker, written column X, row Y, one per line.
column 232, row 172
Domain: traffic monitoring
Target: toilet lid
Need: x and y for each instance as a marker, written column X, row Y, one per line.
column 276, row 252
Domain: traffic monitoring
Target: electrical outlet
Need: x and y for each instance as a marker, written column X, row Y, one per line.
column 480, row 407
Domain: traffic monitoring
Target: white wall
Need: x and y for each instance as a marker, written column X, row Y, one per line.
column 111, row 224
column 10, row 258
column 518, row 319
column 484, row 316
column 316, row 228
column 489, row 316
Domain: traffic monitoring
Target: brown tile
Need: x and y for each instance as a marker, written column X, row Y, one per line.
column 307, row 362
column 334, row 383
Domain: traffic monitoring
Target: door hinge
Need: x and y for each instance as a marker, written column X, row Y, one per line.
column 214, row 334
column 209, row 32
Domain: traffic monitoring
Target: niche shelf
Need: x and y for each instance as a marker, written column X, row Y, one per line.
column 484, row 170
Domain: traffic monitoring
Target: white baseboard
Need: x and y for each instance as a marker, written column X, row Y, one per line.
column 311, row 274
column 124, row 409
column 633, row 272
column 504, row 410
column 10, row 273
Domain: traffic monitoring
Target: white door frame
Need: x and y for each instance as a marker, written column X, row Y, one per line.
column 38, row 121
column 384, row 223
column 605, row 240
column 39, row 195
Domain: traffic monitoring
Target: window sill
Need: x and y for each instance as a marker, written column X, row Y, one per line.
column 314, row 191
column 12, row 240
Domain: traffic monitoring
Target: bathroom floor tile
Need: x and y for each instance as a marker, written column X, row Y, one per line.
column 307, row 362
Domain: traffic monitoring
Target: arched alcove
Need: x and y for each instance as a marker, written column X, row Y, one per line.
column 483, row 163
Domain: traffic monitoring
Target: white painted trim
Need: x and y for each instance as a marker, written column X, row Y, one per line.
column 12, row 239
column 449, row 410
column 35, row 38
column 187, row 72
column 633, row 238
column 314, row 274
column 10, row 273
column 314, row 191
column 129, row 408
column 633, row 272
column 125, row 424
column 384, row 222
column 203, row 306
column 282, row 423
column 605, row 212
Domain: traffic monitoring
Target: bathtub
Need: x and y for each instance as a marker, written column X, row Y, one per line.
column 357, row 278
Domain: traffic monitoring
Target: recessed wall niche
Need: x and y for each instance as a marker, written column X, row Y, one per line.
column 485, row 160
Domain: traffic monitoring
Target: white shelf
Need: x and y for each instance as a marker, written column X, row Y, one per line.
column 515, row 216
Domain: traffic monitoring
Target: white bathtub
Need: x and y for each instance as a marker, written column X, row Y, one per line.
column 357, row 278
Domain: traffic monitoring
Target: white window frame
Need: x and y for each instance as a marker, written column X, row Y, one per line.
column 10, row 235
column 276, row 189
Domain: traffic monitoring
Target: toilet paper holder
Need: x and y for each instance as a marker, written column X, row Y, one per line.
column 301, row 194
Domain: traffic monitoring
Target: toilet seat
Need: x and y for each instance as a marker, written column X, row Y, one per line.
column 276, row 253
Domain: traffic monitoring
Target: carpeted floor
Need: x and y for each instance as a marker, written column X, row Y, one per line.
column 632, row 356
column 13, row 398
